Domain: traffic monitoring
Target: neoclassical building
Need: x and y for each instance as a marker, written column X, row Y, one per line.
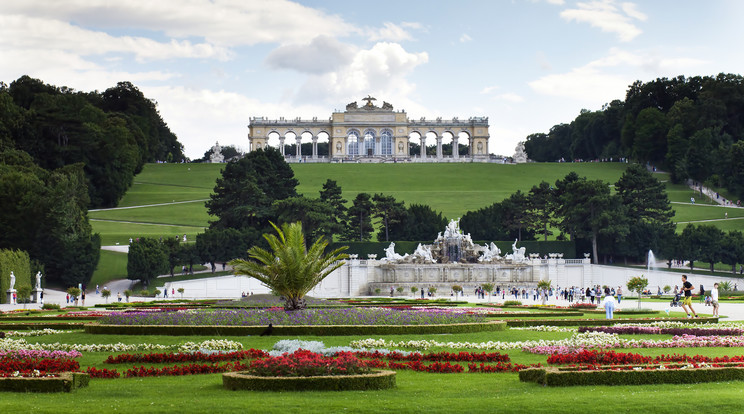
column 369, row 133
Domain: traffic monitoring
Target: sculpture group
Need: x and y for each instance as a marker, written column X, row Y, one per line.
column 456, row 247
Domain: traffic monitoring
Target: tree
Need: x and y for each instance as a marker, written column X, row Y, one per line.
column 291, row 269
column 414, row 289
column 516, row 216
column 147, row 259
column 421, row 223
column 540, row 203
column 708, row 239
column 23, row 294
column 105, row 293
column 488, row 287
column 544, row 285
column 127, row 294
column 637, row 284
column 315, row 215
column 391, row 213
column 457, row 289
column 399, row 289
column 360, row 221
column 180, row 290
column 74, row 293
column 732, row 249
column 245, row 194
column 331, row 194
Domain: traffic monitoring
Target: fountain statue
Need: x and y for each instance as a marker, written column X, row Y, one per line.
column 390, row 254
column 490, row 254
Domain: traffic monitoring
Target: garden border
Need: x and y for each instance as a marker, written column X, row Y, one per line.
column 64, row 382
column 602, row 322
column 288, row 330
column 563, row 376
column 376, row 380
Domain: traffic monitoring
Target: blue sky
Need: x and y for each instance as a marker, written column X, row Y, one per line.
column 525, row 64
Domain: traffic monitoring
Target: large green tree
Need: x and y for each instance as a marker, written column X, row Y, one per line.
column 147, row 259
column 359, row 225
column 391, row 214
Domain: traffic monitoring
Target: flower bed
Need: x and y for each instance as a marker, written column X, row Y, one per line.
column 164, row 358
column 315, row 330
column 308, row 317
column 652, row 330
column 605, row 322
column 211, row 344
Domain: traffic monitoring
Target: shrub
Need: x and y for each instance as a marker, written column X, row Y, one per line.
column 512, row 303
column 51, row 306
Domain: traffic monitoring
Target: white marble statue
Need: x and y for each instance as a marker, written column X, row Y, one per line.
column 423, row 254
column 490, row 253
column 38, row 280
column 216, row 156
column 390, row 254
column 453, row 229
column 520, row 156
column 518, row 254
column 12, row 280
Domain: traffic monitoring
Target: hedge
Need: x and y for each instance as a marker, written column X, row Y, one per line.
column 314, row 330
column 568, row 248
column 533, row 315
column 19, row 263
column 562, row 377
column 20, row 326
column 65, row 382
column 377, row 380
column 602, row 322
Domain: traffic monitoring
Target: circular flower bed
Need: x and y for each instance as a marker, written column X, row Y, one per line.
column 305, row 370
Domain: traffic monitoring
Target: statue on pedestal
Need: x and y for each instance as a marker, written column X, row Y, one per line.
column 12, row 281
column 38, row 280
column 216, row 156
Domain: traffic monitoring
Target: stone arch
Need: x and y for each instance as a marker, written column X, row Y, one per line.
column 387, row 142
column 464, row 138
column 370, row 142
column 323, row 143
column 353, row 139
column 448, row 138
column 414, row 137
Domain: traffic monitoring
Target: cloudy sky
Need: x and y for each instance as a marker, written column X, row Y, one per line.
column 212, row 64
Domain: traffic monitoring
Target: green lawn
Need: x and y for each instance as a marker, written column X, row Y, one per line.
column 500, row 392
column 111, row 266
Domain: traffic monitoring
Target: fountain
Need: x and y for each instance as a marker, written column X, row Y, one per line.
column 651, row 261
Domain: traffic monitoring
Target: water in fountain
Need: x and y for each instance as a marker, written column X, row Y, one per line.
column 651, row 264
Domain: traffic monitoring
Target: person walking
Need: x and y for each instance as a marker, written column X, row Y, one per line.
column 619, row 294
column 714, row 299
column 687, row 302
column 609, row 304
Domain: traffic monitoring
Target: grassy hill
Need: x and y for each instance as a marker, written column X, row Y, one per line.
column 171, row 196
column 168, row 199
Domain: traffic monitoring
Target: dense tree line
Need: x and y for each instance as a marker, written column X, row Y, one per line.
column 692, row 127
column 111, row 133
column 62, row 152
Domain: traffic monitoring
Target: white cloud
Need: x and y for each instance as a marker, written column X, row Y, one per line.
column 221, row 22
column 556, row 2
column 47, row 35
column 380, row 70
column 605, row 15
column 390, row 32
column 465, row 38
column 489, row 89
column 607, row 78
column 321, row 55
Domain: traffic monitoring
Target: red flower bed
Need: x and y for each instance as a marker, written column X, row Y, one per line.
column 166, row 358
column 41, row 364
column 102, row 373
column 437, row 356
column 438, row 367
column 177, row 370
column 598, row 357
column 304, row 363
column 583, row 306
column 508, row 367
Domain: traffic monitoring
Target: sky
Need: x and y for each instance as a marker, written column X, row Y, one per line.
column 211, row 65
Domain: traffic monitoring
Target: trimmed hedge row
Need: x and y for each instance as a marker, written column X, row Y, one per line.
column 19, row 263
column 534, row 315
column 563, row 377
column 65, row 382
column 22, row 326
column 377, row 380
column 316, row 330
column 602, row 322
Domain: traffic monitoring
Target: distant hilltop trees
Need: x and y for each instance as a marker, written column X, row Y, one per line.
column 692, row 127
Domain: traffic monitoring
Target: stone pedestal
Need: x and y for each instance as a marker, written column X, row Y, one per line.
column 36, row 295
column 9, row 297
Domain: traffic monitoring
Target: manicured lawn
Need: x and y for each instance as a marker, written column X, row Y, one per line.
column 464, row 392
column 111, row 265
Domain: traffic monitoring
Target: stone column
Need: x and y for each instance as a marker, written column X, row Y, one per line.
column 455, row 147
column 423, row 146
column 281, row 145
column 439, row 147
column 315, row 146
column 471, row 151
column 298, row 152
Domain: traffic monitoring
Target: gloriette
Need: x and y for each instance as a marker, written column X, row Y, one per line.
column 369, row 133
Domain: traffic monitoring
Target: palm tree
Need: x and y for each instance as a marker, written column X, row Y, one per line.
column 290, row 270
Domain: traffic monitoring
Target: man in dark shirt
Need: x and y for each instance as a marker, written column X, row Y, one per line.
column 687, row 302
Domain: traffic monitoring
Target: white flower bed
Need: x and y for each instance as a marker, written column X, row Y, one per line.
column 38, row 332
column 211, row 344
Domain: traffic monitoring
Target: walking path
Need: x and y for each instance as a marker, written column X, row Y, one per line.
column 149, row 205
column 712, row 195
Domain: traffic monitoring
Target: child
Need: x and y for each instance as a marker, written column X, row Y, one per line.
column 714, row 299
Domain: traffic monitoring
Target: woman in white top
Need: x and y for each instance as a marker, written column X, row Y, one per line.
column 609, row 304
column 714, row 299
